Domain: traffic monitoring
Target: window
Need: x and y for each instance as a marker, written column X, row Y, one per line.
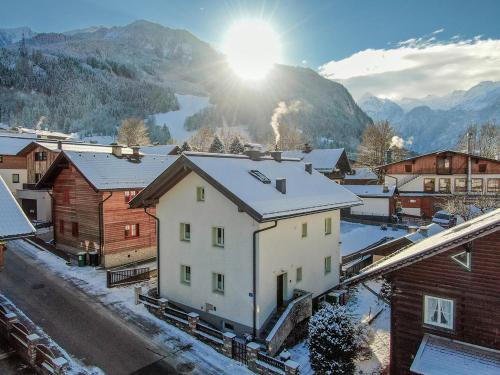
column 493, row 185
column 66, row 197
column 463, row 259
column 131, row 230
column 477, row 185
column 460, row 185
column 61, row 226
column 200, row 194
column 260, row 176
column 40, row 156
column 185, row 232
column 328, row 226
column 129, row 195
column 445, row 185
column 299, row 274
column 218, row 236
column 1, row 158
column 186, row 275
column 15, row 178
column 482, row 168
column 218, row 283
column 304, row 230
column 429, row 185
column 408, row 168
column 438, row 312
column 328, row 265
column 74, row 229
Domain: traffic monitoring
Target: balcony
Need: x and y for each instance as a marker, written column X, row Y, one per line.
column 29, row 186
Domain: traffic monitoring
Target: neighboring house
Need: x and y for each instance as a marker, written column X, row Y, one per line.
column 91, row 191
column 361, row 176
column 161, row 150
column 332, row 162
column 13, row 167
column 445, row 302
column 379, row 202
column 13, row 222
column 36, row 133
column 423, row 180
column 39, row 156
column 240, row 236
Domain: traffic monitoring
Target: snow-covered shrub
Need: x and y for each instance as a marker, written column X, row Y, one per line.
column 217, row 146
column 334, row 341
column 386, row 290
column 185, row 146
column 236, row 146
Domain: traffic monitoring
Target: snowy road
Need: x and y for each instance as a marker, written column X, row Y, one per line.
column 83, row 326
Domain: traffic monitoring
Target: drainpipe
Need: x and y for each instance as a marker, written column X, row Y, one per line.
column 157, row 250
column 101, row 224
column 52, row 210
column 254, row 286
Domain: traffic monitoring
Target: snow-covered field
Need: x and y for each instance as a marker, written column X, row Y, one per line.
column 356, row 236
column 189, row 105
column 364, row 305
column 121, row 301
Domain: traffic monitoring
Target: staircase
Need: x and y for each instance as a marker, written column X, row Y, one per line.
column 272, row 321
column 401, row 182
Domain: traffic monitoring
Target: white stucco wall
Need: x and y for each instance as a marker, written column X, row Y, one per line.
column 7, row 177
column 372, row 206
column 281, row 249
column 43, row 202
column 417, row 184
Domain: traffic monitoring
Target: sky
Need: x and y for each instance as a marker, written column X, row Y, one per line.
column 391, row 48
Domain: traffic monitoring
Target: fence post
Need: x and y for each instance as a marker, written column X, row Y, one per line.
column 60, row 364
column 252, row 350
column 193, row 319
column 227, row 348
column 291, row 368
column 10, row 318
column 31, row 341
column 108, row 279
column 163, row 305
column 137, row 292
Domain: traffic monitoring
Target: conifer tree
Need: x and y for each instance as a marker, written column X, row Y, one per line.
column 236, row 146
column 185, row 146
column 217, row 146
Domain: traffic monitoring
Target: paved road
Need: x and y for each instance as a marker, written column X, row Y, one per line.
column 79, row 324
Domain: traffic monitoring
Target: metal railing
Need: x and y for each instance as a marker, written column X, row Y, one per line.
column 148, row 299
column 128, row 276
column 210, row 331
column 271, row 361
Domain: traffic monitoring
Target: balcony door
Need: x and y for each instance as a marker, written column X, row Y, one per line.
column 281, row 289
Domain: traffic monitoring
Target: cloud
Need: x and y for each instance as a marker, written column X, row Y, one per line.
column 418, row 67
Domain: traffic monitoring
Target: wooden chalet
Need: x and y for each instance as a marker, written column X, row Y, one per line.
column 90, row 195
column 445, row 305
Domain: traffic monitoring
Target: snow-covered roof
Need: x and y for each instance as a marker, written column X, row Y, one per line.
column 363, row 173
column 442, row 241
column 323, row 160
column 108, row 172
column 12, row 145
column 445, row 151
column 305, row 193
column 442, row 356
column 75, row 146
column 367, row 191
column 159, row 149
column 13, row 221
column 424, row 232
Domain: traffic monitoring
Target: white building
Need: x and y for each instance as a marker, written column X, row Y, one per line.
column 378, row 201
column 239, row 234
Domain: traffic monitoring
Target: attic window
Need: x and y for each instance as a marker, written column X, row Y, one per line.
column 260, row 176
column 464, row 259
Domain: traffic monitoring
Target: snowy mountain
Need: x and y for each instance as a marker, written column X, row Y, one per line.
column 9, row 36
column 175, row 60
column 437, row 122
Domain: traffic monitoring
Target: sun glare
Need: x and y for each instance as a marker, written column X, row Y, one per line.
column 252, row 48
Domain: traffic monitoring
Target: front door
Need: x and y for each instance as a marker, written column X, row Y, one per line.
column 29, row 208
column 281, row 289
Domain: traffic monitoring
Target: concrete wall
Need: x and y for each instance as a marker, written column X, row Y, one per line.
column 7, row 177
column 43, row 202
column 373, row 206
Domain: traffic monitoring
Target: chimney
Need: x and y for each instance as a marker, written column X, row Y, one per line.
column 59, row 145
column 307, row 148
column 253, row 154
column 424, row 230
column 412, row 229
column 309, row 168
column 281, row 185
column 388, row 156
column 385, row 189
column 116, row 150
column 276, row 155
column 135, row 150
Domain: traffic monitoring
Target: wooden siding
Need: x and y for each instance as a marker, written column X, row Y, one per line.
column 427, row 164
column 475, row 293
column 40, row 166
column 13, row 162
column 428, row 205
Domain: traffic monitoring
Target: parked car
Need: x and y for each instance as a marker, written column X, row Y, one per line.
column 445, row 219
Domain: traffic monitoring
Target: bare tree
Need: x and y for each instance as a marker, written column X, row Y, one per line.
column 291, row 137
column 133, row 131
column 485, row 140
column 227, row 135
column 202, row 139
column 468, row 206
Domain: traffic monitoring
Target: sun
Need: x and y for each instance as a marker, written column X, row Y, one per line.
column 252, row 48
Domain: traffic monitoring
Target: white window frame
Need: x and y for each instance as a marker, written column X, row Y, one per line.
column 215, row 283
column 328, row 265
column 184, row 272
column 200, row 194
column 183, row 232
column 328, row 226
column 218, row 241
column 440, row 301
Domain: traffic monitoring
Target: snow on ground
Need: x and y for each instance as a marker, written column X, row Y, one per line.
column 189, row 105
column 75, row 367
column 356, row 236
column 121, row 301
column 364, row 305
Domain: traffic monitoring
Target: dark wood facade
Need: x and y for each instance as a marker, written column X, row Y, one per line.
column 38, row 161
column 89, row 220
column 12, row 162
column 475, row 293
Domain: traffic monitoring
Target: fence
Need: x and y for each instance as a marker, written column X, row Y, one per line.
column 127, row 276
column 263, row 357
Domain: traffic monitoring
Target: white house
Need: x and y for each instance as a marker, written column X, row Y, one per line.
column 378, row 201
column 239, row 234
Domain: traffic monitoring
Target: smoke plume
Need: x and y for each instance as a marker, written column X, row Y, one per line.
column 399, row 142
column 281, row 110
